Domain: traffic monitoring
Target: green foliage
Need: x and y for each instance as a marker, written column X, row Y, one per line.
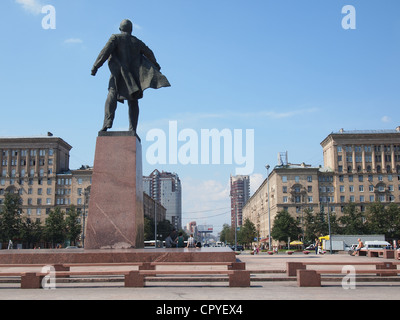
column 10, row 218
column 352, row 220
column 55, row 229
column 247, row 233
column 73, row 226
column 285, row 226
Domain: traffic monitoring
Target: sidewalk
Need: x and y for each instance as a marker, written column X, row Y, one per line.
column 217, row 291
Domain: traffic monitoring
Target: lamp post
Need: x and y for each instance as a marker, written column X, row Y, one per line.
column 269, row 209
column 86, row 195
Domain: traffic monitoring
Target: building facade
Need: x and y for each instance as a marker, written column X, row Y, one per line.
column 165, row 188
column 38, row 169
column 240, row 194
column 360, row 167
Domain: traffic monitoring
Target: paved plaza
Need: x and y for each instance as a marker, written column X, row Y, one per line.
column 263, row 285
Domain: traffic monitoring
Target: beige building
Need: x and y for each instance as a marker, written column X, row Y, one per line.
column 38, row 169
column 361, row 167
column 151, row 207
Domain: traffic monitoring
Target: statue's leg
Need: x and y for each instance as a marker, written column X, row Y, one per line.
column 109, row 110
column 133, row 114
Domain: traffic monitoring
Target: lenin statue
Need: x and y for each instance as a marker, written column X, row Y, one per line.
column 134, row 68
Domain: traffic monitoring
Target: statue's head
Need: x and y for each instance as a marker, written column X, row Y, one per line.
column 126, row 26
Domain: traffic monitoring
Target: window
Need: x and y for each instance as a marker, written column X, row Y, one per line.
column 310, row 199
column 360, row 178
column 341, row 188
column 309, row 178
column 350, row 178
column 362, row 199
column 371, row 198
column 361, row 188
column 297, row 179
column 371, row 188
column 351, row 188
column 284, row 189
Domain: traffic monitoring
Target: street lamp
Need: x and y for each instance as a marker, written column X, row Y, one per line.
column 269, row 209
column 86, row 194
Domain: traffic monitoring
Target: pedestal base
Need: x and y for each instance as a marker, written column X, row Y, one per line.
column 115, row 217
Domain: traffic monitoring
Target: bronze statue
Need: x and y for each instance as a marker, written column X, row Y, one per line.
column 134, row 69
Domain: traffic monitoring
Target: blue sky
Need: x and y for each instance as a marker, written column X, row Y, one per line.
column 285, row 69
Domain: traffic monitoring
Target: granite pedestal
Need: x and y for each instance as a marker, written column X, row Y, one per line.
column 115, row 218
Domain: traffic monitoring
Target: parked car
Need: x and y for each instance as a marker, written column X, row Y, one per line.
column 238, row 247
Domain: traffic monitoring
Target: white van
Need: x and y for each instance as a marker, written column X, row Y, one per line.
column 373, row 245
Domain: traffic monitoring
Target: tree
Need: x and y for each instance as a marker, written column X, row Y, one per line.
column 10, row 217
column 226, row 234
column 384, row 220
column 247, row 233
column 316, row 224
column 73, row 226
column 31, row 232
column 352, row 220
column 285, row 226
column 55, row 227
column 148, row 229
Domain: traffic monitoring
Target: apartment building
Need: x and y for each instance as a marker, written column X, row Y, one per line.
column 165, row 188
column 240, row 194
column 366, row 166
column 38, row 169
column 360, row 167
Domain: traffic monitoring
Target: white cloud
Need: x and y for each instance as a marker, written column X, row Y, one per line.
column 206, row 202
column 256, row 180
column 32, row 6
column 73, row 41
column 386, row 119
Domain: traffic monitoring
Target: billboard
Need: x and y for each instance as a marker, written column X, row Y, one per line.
column 205, row 229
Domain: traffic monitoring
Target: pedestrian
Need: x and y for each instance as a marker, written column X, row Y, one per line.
column 317, row 244
column 169, row 241
column 359, row 247
column 180, row 240
column 190, row 242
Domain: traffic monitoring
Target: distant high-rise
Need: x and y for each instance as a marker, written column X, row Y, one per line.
column 240, row 193
column 165, row 187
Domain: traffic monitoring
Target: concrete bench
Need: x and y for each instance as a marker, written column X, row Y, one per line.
column 132, row 279
column 312, row 278
column 230, row 265
column 238, row 277
column 385, row 253
column 292, row 267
